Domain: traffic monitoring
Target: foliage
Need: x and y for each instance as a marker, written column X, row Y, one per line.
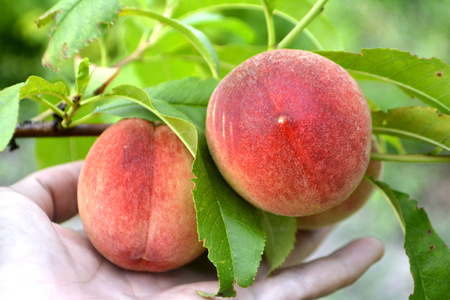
column 430, row 258
column 74, row 21
column 422, row 78
column 155, row 62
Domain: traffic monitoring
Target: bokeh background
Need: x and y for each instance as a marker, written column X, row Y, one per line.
column 421, row 27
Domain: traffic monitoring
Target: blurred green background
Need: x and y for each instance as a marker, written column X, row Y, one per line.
column 421, row 27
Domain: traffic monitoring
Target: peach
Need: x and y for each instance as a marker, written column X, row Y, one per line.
column 349, row 206
column 290, row 131
column 135, row 197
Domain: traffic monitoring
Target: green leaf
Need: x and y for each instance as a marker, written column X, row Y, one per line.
column 9, row 113
column 125, row 109
column 421, row 123
column 196, row 37
column 427, row 79
column 190, row 91
column 185, row 98
column 429, row 256
column 83, row 77
column 230, row 227
column 185, row 130
column 77, row 23
column 280, row 238
column 38, row 86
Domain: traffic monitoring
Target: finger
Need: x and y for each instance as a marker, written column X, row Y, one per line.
column 323, row 276
column 306, row 242
column 54, row 190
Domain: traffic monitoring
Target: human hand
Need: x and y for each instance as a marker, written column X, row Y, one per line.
column 40, row 259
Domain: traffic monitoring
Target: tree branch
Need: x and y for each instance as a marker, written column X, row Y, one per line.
column 52, row 129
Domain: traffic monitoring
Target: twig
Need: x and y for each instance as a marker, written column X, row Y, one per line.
column 48, row 129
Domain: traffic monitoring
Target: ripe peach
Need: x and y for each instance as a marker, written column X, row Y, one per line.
column 135, row 197
column 346, row 208
column 290, row 131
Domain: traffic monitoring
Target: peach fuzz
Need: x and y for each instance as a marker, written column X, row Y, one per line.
column 290, row 131
column 135, row 197
column 348, row 207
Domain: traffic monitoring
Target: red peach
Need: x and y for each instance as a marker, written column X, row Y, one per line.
column 135, row 197
column 290, row 131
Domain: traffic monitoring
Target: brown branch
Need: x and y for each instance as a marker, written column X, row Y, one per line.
column 50, row 129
